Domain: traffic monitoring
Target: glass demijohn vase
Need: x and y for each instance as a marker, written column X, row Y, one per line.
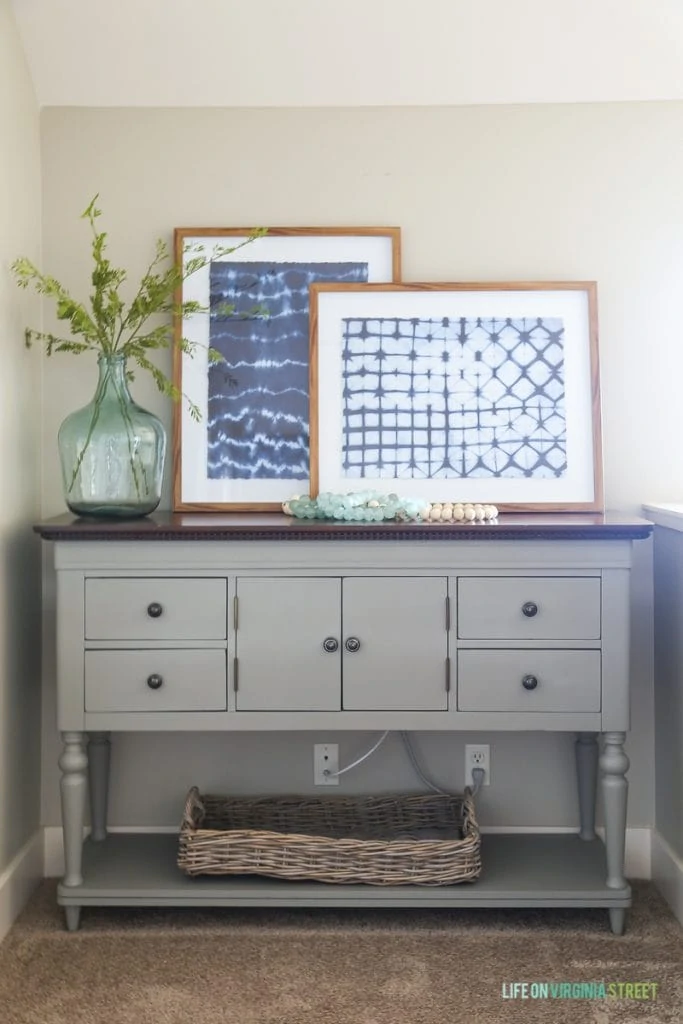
column 112, row 451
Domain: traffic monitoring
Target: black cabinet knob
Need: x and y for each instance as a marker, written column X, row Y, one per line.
column 154, row 681
column 530, row 682
column 154, row 610
column 529, row 608
column 330, row 645
column 352, row 644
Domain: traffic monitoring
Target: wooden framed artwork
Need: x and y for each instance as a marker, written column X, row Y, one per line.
column 462, row 392
column 248, row 447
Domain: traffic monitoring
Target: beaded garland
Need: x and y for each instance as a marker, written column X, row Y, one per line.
column 458, row 512
column 375, row 507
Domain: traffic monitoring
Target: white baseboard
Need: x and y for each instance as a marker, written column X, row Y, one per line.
column 637, row 846
column 667, row 873
column 638, row 858
column 18, row 881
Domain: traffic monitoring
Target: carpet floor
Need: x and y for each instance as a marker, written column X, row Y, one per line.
column 335, row 966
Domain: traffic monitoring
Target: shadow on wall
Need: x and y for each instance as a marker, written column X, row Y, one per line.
column 20, row 689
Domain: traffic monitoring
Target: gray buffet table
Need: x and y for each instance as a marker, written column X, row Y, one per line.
column 260, row 622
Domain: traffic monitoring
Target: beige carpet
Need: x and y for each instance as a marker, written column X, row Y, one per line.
column 332, row 967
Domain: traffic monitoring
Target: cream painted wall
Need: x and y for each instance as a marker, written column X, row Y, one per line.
column 19, row 454
column 486, row 193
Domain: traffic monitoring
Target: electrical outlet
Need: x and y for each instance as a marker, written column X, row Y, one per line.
column 325, row 763
column 477, row 755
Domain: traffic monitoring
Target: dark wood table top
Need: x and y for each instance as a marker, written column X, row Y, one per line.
column 277, row 526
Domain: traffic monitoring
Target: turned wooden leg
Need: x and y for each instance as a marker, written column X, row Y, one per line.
column 73, row 763
column 614, row 765
column 586, row 751
column 99, row 752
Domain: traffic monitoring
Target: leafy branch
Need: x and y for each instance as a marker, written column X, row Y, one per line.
column 107, row 325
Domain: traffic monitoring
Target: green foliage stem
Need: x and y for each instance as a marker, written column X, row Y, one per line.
column 106, row 325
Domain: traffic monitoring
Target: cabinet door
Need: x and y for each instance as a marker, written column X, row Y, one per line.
column 400, row 663
column 282, row 626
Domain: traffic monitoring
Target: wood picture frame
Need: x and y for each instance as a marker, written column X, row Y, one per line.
column 467, row 391
column 270, row 436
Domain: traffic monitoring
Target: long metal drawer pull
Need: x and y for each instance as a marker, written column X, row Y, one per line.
column 155, row 681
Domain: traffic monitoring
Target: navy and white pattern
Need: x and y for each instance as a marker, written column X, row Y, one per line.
column 258, row 397
column 453, row 397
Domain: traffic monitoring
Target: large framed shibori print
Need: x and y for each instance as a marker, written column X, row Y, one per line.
column 241, row 433
column 461, row 392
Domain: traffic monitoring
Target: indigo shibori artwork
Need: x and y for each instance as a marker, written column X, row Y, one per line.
column 242, row 439
column 490, row 389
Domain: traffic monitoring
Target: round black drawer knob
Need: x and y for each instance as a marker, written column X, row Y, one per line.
column 154, row 681
column 352, row 645
column 154, row 610
column 530, row 682
column 530, row 608
column 330, row 645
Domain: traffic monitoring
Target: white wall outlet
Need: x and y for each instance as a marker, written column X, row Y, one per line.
column 477, row 755
column 325, row 763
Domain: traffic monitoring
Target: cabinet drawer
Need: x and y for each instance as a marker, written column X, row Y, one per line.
column 155, row 609
column 494, row 681
column 155, row 680
column 528, row 608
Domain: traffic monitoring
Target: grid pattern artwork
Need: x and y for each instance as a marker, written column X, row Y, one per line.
column 257, row 423
column 453, row 397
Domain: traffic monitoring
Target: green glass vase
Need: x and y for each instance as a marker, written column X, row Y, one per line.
column 112, row 452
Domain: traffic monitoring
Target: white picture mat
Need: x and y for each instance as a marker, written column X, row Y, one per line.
column 577, row 485
column 196, row 487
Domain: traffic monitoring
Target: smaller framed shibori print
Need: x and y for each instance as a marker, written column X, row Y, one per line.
column 461, row 392
column 241, row 433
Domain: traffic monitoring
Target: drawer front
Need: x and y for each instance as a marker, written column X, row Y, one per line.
column 155, row 609
column 528, row 608
column 555, row 681
column 155, row 681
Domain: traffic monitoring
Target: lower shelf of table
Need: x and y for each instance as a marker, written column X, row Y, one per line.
column 518, row 871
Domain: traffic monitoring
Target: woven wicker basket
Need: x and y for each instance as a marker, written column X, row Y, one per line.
column 392, row 840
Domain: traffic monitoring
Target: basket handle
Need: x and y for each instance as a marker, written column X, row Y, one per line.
column 468, row 813
column 195, row 812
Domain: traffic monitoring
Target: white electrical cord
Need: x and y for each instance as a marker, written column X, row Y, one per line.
column 364, row 757
column 478, row 774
